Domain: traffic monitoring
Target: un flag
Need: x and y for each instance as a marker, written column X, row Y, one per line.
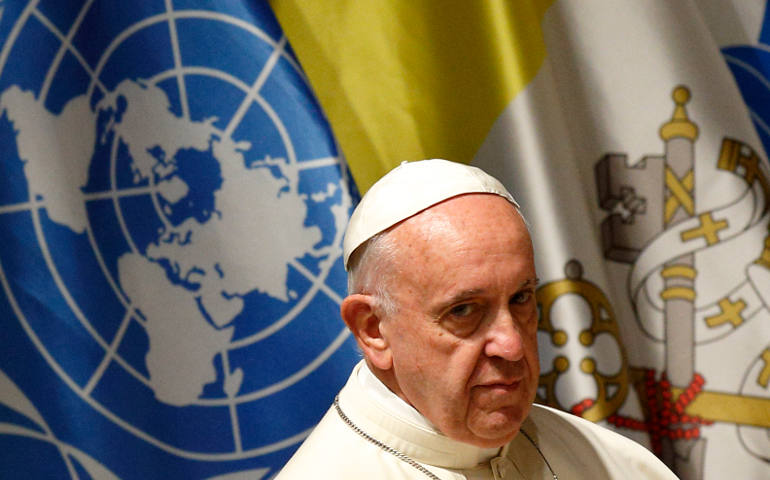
column 172, row 205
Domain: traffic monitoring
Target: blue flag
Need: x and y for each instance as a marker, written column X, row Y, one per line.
column 172, row 205
column 750, row 64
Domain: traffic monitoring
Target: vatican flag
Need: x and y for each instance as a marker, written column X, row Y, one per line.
column 631, row 134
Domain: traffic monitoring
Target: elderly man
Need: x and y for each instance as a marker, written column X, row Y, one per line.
column 442, row 304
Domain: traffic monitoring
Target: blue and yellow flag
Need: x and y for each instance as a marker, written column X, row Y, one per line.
column 172, row 205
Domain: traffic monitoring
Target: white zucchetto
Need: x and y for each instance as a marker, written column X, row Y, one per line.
column 411, row 188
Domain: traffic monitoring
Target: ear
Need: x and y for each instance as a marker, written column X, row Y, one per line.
column 358, row 312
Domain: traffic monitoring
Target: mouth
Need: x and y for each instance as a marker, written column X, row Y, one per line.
column 502, row 385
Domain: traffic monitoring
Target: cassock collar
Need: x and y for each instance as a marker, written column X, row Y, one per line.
column 387, row 418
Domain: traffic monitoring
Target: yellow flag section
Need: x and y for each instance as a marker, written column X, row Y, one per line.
column 412, row 79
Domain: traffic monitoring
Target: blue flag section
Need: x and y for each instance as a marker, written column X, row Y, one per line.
column 172, row 205
column 750, row 65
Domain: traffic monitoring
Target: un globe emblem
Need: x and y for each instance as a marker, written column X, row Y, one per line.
column 175, row 209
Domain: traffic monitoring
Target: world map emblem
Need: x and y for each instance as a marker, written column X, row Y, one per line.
column 172, row 206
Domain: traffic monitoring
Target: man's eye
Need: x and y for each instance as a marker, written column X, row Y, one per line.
column 463, row 319
column 521, row 297
column 462, row 310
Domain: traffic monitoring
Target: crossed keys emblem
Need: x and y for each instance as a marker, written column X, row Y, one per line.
column 612, row 388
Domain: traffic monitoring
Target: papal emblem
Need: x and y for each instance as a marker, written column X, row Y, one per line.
column 698, row 284
column 698, row 276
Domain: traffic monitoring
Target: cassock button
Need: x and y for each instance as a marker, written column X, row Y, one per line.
column 501, row 466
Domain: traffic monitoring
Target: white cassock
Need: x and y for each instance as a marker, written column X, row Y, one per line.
column 385, row 438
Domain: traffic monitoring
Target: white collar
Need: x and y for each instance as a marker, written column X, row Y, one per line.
column 389, row 400
column 389, row 419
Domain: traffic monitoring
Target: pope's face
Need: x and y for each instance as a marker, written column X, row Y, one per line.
column 463, row 338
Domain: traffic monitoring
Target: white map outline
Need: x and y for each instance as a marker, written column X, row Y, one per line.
column 34, row 206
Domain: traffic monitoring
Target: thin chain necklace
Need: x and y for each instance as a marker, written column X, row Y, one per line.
column 404, row 457
column 526, row 435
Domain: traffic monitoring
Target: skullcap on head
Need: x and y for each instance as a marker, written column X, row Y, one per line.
column 411, row 188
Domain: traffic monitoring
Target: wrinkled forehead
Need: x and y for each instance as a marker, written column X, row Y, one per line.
column 467, row 219
column 472, row 242
column 411, row 188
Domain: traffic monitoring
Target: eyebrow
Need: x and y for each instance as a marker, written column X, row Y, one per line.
column 534, row 282
column 465, row 294
column 460, row 296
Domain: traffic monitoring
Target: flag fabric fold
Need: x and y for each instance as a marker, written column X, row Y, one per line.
column 172, row 205
column 391, row 66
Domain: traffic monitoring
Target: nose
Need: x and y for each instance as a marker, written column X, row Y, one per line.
column 504, row 339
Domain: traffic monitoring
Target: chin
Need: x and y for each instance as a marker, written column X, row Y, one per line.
column 498, row 428
column 494, row 441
